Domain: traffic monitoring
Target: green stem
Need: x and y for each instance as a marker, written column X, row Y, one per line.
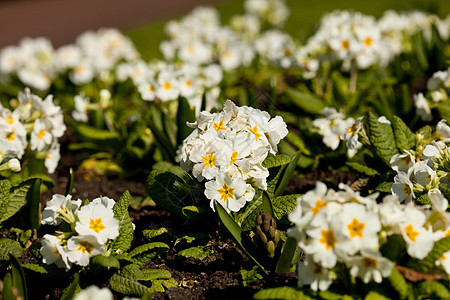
column 285, row 260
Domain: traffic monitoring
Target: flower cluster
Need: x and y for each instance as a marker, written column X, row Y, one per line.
column 36, row 63
column 228, row 148
column 91, row 228
column 343, row 228
column 438, row 93
column 34, row 124
column 165, row 81
column 422, row 170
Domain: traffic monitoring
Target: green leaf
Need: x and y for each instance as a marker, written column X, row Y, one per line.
column 18, row 198
column 394, row 247
column 428, row 263
column 283, row 292
column 5, row 187
column 285, row 260
column 35, row 268
column 70, row 291
column 8, row 288
column 198, row 252
column 381, row 137
column 193, row 212
column 267, row 204
column 283, row 205
column 33, row 200
column 399, row 284
column 106, row 261
column 298, row 142
column 372, row 295
column 122, row 243
column 384, row 187
column 152, row 233
column 97, row 134
column 246, row 217
column 131, row 271
column 152, row 274
column 423, row 199
column 184, row 114
column 445, row 190
column 144, row 253
column 287, row 175
column 239, row 236
column 306, row 101
column 444, row 109
column 8, row 246
column 365, row 170
column 405, row 139
column 18, row 277
column 173, row 191
column 330, row 295
column 249, row 277
column 433, row 289
column 276, row 161
column 127, row 286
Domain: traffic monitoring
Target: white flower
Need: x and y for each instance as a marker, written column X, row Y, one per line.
column 52, row 158
column 105, row 201
column 167, row 87
column 422, row 107
column 208, row 159
column 444, row 261
column 403, row 187
column 313, row 274
column 80, row 111
column 93, row 292
column 53, row 252
column 443, row 131
column 227, row 192
column 391, row 214
column 60, row 207
column 81, row 248
column 371, row 265
column 98, row 221
column 419, row 240
column 147, row 90
column 41, row 137
column 402, row 162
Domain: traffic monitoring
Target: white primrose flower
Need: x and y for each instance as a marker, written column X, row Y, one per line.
column 370, row 265
column 80, row 111
column 81, row 248
column 402, row 162
column 167, row 86
column 53, row 252
column 403, row 187
column 207, row 160
column 59, row 208
column 52, row 158
column 419, row 240
column 313, row 274
column 227, row 192
column 147, row 90
column 105, row 201
column 94, row 292
column 444, row 261
column 356, row 228
column 422, row 107
column 97, row 220
column 443, row 131
column 391, row 214
column 41, row 136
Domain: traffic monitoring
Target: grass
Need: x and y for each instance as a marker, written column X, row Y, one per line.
column 305, row 15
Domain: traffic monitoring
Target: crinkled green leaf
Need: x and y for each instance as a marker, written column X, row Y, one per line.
column 161, row 285
column 18, row 198
column 105, row 261
column 152, row 274
column 35, row 268
column 127, row 286
column 384, row 187
column 423, row 199
column 198, row 252
column 250, row 276
column 372, row 295
column 192, row 212
column 131, row 271
column 433, row 289
column 8, row 246
column 428, row 263
column 246, row 217
column 152, row 233
column 5, row 187
column 331, row 295
column 123, row 242
column 144, row 253
column 381, row 137
column 445, row 190
column 276, row 161
column 283, row 205
column 399, row 284
column 365, row 170
column 173, row 191
column 283, row 292
column 405, row 139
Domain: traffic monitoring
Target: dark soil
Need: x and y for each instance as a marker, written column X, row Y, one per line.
column 217, row 276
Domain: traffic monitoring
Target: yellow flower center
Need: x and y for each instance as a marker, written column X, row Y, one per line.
column 209, row 160
column 219, row 126
column 447, row 233
column 368, row 41
column 9, row 120
column 409, row 230
column 406, row 189
column 317, row 269
column 96, row 225
column 443, row 257
column 10, row 136
column 151, row 88
column 233, row 158
column 188, row 83
column 85, row 246
column 167, row 85
column 345, row 44
column 254, row 130
column 79, row 69
column 328, row 239
column 226, row 192
column 369, row 262
column 356, row 228
column 41, row 134
column 319, row 205
column 352, row 129
column 287, row 52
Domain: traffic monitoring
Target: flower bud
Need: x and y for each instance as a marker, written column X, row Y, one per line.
column 14, row 165
column 270, row 247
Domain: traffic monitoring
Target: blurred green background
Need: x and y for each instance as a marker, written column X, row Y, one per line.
column 305, row 15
